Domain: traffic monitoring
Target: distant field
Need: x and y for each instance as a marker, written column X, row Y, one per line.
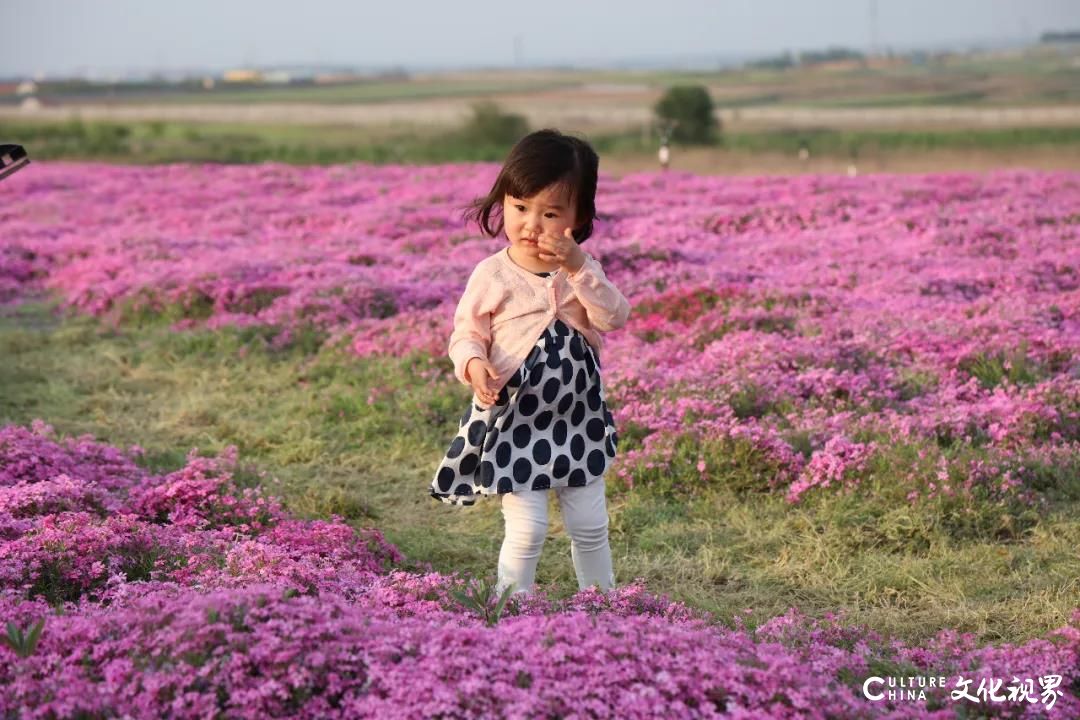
column 773, row 151
column 1000, row 82
column 974, row 115
column 575, row 111
column 1031, row 91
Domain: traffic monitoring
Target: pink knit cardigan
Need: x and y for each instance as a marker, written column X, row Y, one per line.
column 505, row 309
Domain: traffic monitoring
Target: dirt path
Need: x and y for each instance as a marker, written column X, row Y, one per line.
column 718, row 162
column 561, row 109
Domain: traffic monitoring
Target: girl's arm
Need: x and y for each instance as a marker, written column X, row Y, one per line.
column 472, row 326
column 606, row 307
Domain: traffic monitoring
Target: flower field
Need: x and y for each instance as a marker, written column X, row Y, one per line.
column 906, row 343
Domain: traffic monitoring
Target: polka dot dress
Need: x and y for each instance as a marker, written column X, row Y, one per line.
column 550, row 427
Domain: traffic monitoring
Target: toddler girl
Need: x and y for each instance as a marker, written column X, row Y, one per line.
column 527, row 339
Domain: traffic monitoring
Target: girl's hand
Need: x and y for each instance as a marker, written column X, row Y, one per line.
column 561, row 249
column 478, row 371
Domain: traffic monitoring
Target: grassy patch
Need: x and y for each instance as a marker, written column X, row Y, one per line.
column 159, row 142
column 302, row 414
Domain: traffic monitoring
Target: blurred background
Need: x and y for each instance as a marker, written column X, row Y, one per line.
column 763, row 86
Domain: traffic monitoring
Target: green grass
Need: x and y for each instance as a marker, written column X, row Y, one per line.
column 1003, row 573
column 352, row 93
column 901, row 100
column 160, row 142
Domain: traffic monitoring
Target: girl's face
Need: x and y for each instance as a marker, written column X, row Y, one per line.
column 525, row 219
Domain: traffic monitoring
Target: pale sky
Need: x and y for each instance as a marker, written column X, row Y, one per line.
column 99, row 36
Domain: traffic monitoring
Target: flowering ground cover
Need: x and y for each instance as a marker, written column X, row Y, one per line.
column 807, row 320
column 891, row 359
column 181, row 595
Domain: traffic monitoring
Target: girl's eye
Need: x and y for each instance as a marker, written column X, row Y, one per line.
column 521, row 208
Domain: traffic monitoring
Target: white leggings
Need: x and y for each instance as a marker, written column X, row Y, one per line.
column 584, row 512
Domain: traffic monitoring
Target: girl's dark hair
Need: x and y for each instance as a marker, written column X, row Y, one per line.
column 543, row 158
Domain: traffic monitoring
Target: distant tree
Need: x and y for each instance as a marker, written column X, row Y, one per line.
column 777, row 62
column 813, row 57
column 692, row 109
column 490, row 125
column 1060, row 37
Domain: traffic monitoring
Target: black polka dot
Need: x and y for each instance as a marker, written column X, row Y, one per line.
column 468, row 465
column 561, row 328
column 505, row 485
column 551, row 390
column 504, row 396
column 492, row 437
column 615, row 439
column 508, row 419
column 558, row 344
column 487, row 473
column 515, row 379
column 560, row 467
column 567, row 371
column 522, row 470
column 593, row 398
column 478, row 408
column 456, row 447
column 595, row 429
column 542, row 482
column 608, row 447
column 446, row 478
column 466, row 416
column 579, row 413
column 581, row 381
column 502, row 455
column 607, row 416
column 596, row 358
column 537, row 374
column 541, row 421
column 577, row 478
column 590, row 364
column 553, row 360
column 522, row 436
column 476, row 432
column 541, row 451
column 558, row 433
column 577, row 350
column 577, row 447
column 527, row 404
column 596, row 462
column 565, row 403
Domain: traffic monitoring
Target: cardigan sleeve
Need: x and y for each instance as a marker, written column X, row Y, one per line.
column 471, row 336
column 606, row 307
